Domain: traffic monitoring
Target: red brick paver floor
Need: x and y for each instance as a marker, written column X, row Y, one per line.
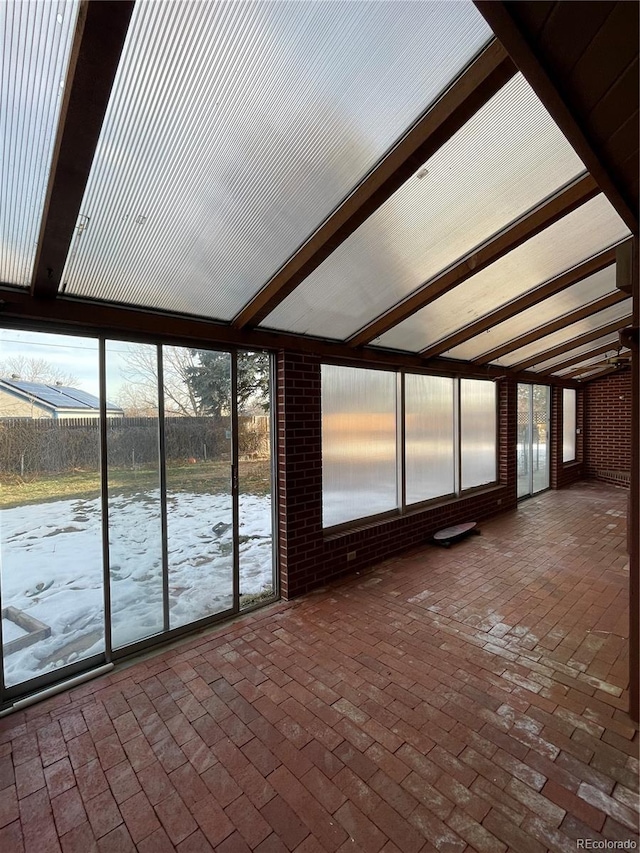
column 462, row 699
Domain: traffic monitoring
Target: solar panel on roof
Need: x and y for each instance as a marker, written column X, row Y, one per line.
column 83, row 397
column 54, row 395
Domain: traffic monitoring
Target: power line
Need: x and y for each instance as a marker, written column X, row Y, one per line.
column 64, row 346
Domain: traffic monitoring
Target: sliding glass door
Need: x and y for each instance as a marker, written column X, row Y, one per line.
column 135, row 499
column 51, row 555
column 533, row 439
column 200, row 484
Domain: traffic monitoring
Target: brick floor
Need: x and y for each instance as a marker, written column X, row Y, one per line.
column 462, row 699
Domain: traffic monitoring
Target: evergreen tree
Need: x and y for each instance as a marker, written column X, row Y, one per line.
column 210, row 381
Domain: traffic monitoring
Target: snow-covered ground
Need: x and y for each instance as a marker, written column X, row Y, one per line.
column 51, row 568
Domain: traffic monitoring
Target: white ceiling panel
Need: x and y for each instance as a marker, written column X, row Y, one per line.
column 234, row 129
column 587, row 231
column 504, row 161
column 575, row 330
column 590, row 289
column 610, row 339
column 35, row 40
column 588, row 361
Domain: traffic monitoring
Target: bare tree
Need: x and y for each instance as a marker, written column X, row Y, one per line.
column 36, row 370
column 136, row 401
column 140, row 394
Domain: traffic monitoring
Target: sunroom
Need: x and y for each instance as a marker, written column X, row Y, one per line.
column 347, row 272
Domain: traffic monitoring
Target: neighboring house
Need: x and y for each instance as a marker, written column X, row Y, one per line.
column 19, row 399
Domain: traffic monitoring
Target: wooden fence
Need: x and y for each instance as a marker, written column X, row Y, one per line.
column 48, row 446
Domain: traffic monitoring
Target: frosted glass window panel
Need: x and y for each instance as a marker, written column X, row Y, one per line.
column 478, row 424
column 429, row 437
column 582, row 327
column 35, row 41
column 234, row 129
column 568, row 424
column 591, row 228
column 596, row 286
column 504, row 161
column 606, row 340
column 359, row 470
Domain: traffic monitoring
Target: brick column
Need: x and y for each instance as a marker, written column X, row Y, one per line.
column 508, row 438
column 299, row 419
column 555, row 472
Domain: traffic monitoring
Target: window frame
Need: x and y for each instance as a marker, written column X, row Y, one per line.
column 565, row 426
column 403, row 508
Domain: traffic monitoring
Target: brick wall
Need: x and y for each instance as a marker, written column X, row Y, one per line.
column 608, row 428
column 507, row 438
column 308, row 558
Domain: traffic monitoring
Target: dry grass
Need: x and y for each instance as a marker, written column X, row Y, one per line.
column 199, row 478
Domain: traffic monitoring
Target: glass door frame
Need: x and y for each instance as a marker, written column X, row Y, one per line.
column 529, row 444
column 101, row 661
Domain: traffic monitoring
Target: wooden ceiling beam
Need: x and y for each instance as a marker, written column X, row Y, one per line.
column 501, row 20
column 529, row 300
column 604, row 372
column 577, row 359
column 586, row 368
column 562, row 203
column 624, row 266
column 551, row 327
column 485, row 76
column 95, row 54
column 572, row 344
column 81, row 316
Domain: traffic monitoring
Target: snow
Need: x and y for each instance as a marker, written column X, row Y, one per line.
column 11, row 631
column 52, row 568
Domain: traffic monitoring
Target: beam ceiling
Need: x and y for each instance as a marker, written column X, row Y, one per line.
column 572, row 344
column 599, row 374
column 550, row 211
column 553, row 326
column 18, row 309
column 587, row 368
column 504, row 20
column 577, row 359
column 96, row 52
column 529, row 300
column 485, row 76
column 100, row 33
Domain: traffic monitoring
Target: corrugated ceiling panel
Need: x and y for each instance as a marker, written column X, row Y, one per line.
column 592, row 374
column 35, row 39
column 591, row 228
column 583, row 327
column 597, row 285
column 503, row 162
column 593, row 360
column 606, row 340
column 234, row 129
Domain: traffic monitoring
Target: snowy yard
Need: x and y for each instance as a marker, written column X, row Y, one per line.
column 52, row 569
